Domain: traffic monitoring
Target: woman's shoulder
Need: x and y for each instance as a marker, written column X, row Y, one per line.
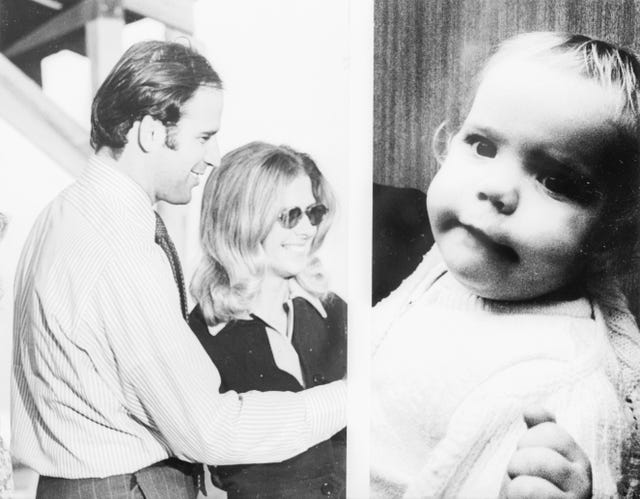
column 330, row 306
column 336, row 309
column 219, row 332
column 334, row 301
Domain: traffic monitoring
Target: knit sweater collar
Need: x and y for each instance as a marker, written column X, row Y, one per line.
column 449, row 292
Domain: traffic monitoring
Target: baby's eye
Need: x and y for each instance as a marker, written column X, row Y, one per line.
column 557, row 184
column 481, row 146
column 576, row 189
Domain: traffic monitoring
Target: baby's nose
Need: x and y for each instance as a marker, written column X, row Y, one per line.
column 501, row 191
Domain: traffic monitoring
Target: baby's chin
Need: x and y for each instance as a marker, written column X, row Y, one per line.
column 481, row 279
column 513, row 289
column 489, row 291
column 494, row 276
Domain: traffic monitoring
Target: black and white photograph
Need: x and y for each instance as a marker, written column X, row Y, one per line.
column 174, row 262
column 505, row 350
column 284, row 249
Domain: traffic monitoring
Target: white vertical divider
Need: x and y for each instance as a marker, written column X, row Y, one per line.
column 359, row 254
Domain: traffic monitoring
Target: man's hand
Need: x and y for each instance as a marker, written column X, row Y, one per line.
column 548, row 463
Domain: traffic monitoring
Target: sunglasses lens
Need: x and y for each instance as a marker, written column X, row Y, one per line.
column 290, row 218
column 316, row 213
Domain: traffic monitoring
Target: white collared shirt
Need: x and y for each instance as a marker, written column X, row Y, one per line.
column 107, row 376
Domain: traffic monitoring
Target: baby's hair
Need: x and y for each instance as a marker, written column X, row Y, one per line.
column 617, row 71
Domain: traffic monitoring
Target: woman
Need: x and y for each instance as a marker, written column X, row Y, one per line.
column 264, row 313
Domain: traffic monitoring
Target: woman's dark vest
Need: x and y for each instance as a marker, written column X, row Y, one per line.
column 242, row 355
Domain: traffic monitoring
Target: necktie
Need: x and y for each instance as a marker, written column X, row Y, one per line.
column 165, row 242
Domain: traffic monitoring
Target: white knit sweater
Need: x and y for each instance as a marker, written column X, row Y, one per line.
column 452, row 374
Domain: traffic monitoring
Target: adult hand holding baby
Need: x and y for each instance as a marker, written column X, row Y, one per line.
column 548, row 462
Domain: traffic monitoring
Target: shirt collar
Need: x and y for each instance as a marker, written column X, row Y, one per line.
column 127, row 200
column 295, row 291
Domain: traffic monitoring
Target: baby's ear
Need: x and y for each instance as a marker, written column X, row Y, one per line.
column 151, row 133
column 441, row 140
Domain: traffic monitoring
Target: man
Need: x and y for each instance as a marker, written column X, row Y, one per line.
column 108, row 380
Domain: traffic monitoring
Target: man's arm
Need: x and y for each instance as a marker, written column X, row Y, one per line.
column 177, row 384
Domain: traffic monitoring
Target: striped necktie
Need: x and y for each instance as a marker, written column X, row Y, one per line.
column 165, row 242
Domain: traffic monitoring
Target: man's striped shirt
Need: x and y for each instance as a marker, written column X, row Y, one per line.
column 107, row 376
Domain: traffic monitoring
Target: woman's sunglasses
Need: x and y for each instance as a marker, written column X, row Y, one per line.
column 290, row 217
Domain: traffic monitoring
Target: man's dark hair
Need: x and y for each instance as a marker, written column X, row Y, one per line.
column 152, row 78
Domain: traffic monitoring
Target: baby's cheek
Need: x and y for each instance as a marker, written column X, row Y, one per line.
column 581, row 228
column 558, row 249
column 436, row 199
column 444, row 193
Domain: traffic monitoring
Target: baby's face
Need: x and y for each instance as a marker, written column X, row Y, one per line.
column 519, row 193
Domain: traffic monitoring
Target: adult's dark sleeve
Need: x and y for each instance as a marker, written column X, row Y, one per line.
column 401, row 236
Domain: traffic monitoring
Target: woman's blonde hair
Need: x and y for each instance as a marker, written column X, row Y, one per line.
column 239, row 208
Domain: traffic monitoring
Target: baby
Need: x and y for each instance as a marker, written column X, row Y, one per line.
column 507, row 365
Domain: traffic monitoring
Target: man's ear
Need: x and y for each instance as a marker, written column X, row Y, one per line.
column 151, row 134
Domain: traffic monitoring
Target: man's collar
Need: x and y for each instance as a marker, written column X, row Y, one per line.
column 106, row 167
column 125, row 197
